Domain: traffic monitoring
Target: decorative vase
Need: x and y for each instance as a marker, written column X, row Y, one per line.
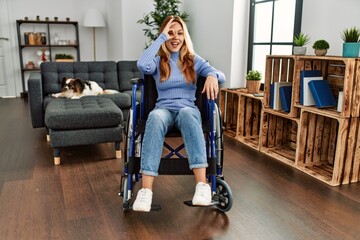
column 253, row 86
column 299, row 50
column 320, row 52
column 351, row 49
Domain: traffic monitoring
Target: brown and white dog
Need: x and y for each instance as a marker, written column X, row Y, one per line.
column 76, row 88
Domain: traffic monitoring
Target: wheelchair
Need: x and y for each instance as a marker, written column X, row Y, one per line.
column 213, row 132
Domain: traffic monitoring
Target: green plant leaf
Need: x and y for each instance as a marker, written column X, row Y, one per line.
column 351, row 34
column 301, row 39
column 154, row 19
column 254, row 75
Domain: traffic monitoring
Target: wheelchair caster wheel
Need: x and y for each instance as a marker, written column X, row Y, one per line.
column 224, row 195
column 126, row 206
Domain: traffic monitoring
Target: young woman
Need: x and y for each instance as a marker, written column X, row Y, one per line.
column 171, row 60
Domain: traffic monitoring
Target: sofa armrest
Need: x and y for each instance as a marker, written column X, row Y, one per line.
column 36, row 100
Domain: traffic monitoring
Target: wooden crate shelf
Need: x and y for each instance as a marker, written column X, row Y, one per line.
column 278, row 137
column 341, row 75
column 241, row 116
column 323, row 143
column 328, row 148
column 355, row 108
column 280, row 69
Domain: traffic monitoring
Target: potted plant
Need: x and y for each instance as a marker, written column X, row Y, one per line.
column 320, row 47
column 351, row 45
column 154, row 19
column 300, row 41
column 253, row 81
column 63, row 57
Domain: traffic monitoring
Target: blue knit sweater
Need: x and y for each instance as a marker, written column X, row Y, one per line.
column 174, row 93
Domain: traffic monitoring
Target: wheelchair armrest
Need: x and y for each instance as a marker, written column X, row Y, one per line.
column 136, row 81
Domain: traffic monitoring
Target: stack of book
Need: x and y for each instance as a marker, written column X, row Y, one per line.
column 314, row 90
column 280, row 96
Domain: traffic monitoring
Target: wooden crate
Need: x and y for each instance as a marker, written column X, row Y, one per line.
column 329, row 148
column 249, row 116
column 229, row 102
column 280, row 69
column 241, row 116
column 279, row 137
column 355, row 108
column 340, row 73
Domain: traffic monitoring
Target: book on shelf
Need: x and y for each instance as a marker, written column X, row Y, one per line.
column 285, row 95
column 272, row 95
column 308, row 97
column 340, row 101
column 322, row 93
column 275, row 99
column 305, row 93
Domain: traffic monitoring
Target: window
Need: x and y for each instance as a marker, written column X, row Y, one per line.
column 273, row 24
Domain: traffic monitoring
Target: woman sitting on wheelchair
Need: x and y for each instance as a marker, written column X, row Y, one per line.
column 171, row 60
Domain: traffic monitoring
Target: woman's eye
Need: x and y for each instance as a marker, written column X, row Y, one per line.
column 171, row 33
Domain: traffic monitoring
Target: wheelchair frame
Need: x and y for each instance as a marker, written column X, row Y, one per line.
column 222, row 194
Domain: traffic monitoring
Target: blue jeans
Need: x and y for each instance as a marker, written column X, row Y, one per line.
column 188, row 121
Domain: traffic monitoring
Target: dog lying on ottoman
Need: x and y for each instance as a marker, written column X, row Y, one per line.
column 76, row 88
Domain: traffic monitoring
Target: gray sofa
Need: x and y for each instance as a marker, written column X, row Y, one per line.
column 90, row 119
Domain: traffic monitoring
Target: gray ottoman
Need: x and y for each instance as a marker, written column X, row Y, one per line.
column 88, row 120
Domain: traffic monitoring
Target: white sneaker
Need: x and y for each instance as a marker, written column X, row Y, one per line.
column 202, row 196
column 143, row 200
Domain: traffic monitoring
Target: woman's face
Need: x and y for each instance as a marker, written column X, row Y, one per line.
column 177, row 37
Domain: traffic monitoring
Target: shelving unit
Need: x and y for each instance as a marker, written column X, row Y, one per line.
column 279, row 137
column 323, row 143
column 243, row 115
column 48, row 28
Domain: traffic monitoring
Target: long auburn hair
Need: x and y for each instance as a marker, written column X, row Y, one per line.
column 186, row 60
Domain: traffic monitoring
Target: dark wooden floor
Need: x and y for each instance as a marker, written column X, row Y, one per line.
column 78, row 199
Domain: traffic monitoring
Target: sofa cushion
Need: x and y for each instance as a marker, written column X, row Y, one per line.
column 126, row 71
column 104, row 73
column 121, row 99
column 82, row 113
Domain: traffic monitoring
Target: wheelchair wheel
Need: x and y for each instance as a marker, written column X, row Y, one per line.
column 219, row 136
column 224, row 195
column 127, row 193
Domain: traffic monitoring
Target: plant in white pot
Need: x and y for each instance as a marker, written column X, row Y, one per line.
column 320, row 47
column 351, row 45
column 300, row 41
column 253, row 81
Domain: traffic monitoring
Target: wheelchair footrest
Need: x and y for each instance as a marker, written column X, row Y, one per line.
column 154, row 207
column 189, row 203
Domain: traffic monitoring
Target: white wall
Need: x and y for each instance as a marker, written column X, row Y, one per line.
column 115, row 36
column 126, row 39
column 240, row 41
column 220, row 35
column 326, row 19
column 75, row 10
column 62, row 9
column 210, row 28
column 219, row 29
